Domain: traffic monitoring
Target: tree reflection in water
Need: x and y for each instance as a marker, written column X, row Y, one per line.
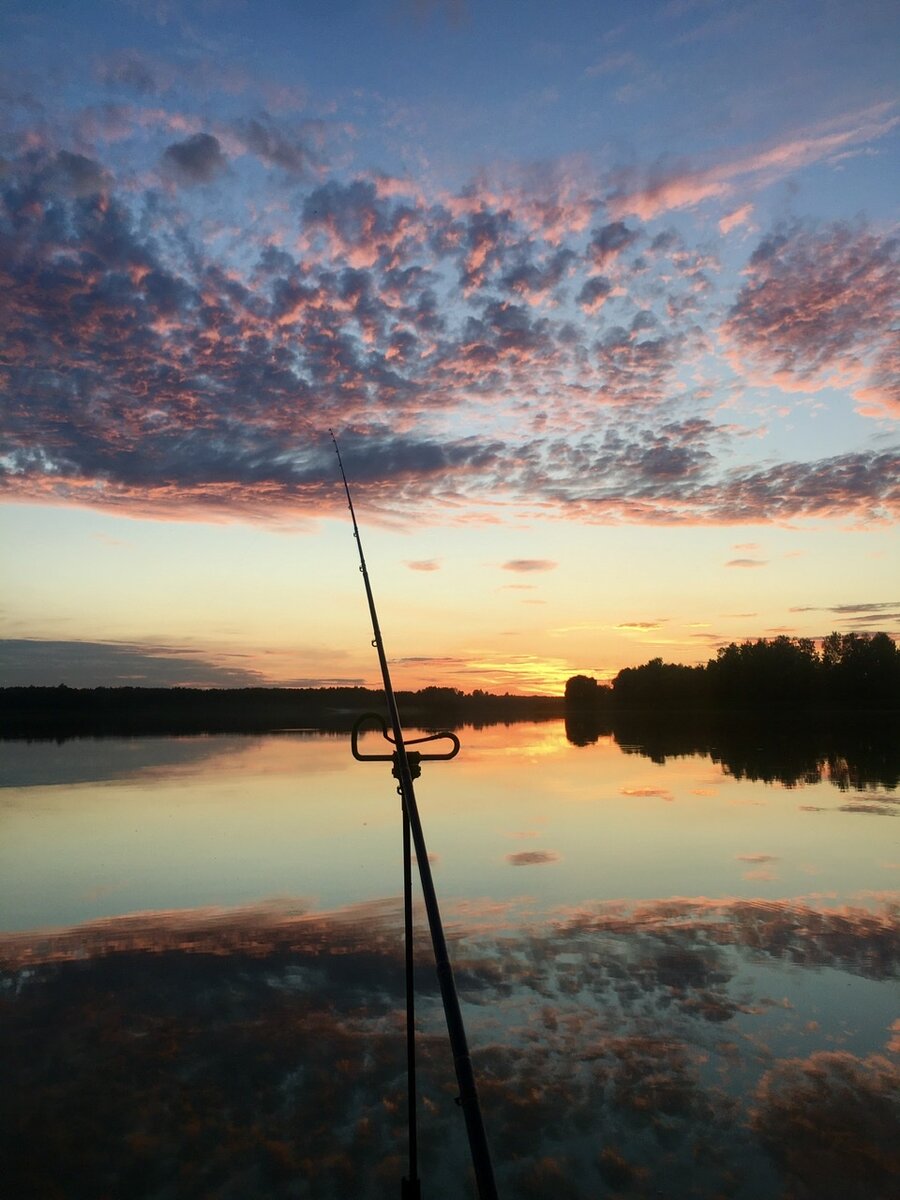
column 851, row 754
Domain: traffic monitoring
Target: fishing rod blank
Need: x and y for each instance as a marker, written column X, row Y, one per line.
column 406, row 768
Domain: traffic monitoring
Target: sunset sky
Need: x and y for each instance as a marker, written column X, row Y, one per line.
column 599, row 298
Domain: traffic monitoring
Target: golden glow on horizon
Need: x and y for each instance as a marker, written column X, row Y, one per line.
column 289, row 609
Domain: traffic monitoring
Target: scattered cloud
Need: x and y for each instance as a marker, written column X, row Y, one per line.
column 817, row 310
column 530, row 564
column 293, row 152
column 532, row 858
column 865, row 608
column 608, row 242
column 151, row 370
column 47, row 663
column 866, row 616
column 747, row 562
column 862, row 609
column 733, row 220
column 198, row 159
column 424, row 564
column 133, row 72
column 594, row 291
column 671, row 187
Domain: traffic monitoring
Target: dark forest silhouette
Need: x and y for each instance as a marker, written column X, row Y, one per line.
column 851, row 671
column 61, row 712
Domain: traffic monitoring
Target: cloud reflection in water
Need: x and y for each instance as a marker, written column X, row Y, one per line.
column 622, row 1046
column 532, row 858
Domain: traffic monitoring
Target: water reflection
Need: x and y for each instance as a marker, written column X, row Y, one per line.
column 859, row 754
column 68, row 761
column 726, row 1027
column 666, row 1048
column 862, row 755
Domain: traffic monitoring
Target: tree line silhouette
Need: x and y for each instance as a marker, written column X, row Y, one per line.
column 62, row 712
column 850, row 671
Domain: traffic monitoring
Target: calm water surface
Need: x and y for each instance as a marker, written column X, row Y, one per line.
column 676, row 981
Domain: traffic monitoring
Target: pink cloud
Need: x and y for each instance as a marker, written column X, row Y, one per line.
column 687, row 187
column 740, row 216
column 817, row 310
column 130, row 363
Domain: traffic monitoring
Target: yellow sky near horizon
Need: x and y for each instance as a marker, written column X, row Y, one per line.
column 501, row 609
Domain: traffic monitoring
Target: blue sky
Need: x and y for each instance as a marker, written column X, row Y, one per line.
column 601, row 301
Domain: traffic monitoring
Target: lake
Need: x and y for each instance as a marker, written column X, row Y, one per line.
column 678, row 970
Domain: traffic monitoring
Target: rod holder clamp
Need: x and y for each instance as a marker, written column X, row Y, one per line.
column 414, row 758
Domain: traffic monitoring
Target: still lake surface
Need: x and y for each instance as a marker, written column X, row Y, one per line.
column 678, row 980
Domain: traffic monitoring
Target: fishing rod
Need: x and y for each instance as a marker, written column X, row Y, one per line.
column 406, row 768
